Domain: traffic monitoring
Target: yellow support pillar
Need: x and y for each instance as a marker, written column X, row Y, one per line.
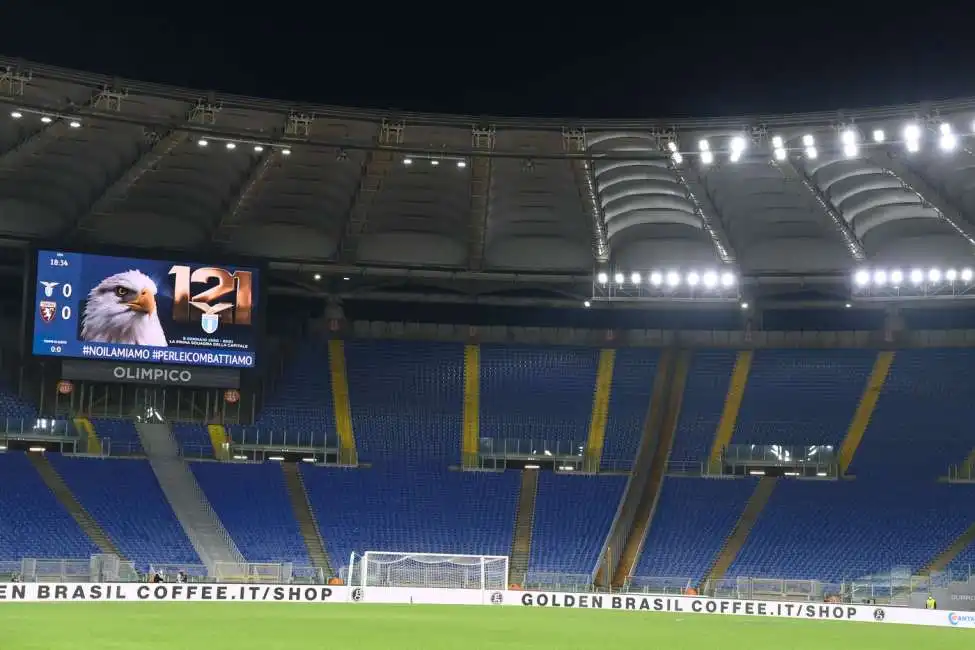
column 600, row 409
column 868, row 402
column 85, row 426
column 968, row 467
column 471, row 439
column 340, row 398
column 220, row 440
column 732, row 404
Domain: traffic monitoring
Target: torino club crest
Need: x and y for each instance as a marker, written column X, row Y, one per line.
column 48, row 310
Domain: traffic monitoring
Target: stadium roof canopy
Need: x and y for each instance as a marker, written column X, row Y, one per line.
column 785, row 201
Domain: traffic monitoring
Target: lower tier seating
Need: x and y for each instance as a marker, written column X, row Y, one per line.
column 252, row 502
column 125, row 498
column 694, row 517
column 573, row 515
column 32, row 521
column 834, row 531
column 412, row 508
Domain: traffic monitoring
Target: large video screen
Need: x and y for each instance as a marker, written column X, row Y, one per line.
column 150, row 311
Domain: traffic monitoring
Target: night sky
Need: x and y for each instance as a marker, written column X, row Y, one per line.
column 641, row 60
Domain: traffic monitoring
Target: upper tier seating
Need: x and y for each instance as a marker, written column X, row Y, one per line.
column 923, row 419
column 572, row 519
column 423, row 508
column 629, row 398
column 32, row 521
column 694, row 517
column 833, row 531
column 540, row 393
column 407, row 398
column 12, row 406
column 702, row 405
column 121, row 434
column 125, row 498
column 193, row 438
column 301, row 406
column 802, row 397
column 252, row 502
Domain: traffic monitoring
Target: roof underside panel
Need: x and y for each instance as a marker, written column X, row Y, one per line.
column 536, row 216
column 772, row 220
column 650, row 221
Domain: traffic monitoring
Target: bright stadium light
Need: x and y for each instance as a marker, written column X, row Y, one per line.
column 811, row 153
column 934, row 275
column 710, row 279
column 912, row 132
column 672, row 146
column 677, row 158
column 461, row 164
column 407, row 161
column 966, row 275
column 862, row 278
column 258, row 148
column 849, row 137
column 777, row 142
column 434, row 162
column 951, row 275
column 707, row 157
column 808, row 140
column 673, row 278
column 619, row 278
column 948, row 141
column 286, row 152
column 780, row 154
column 656, row 278
column 880, row 278
column 704, row 145
column 944, row 128
column 917, row 276
column 202, row 142
column 16, row 115
column 850, row 150
column 602, row 277
column 635, row 278
column 693, row 278
column 46, row 119
column 879, row 136
column 74, row 124
column 586, row 304
column 231, row 146
column 727, row 279
column 896, row 277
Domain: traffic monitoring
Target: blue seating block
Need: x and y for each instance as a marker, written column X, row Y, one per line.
column 407, row 398
column 252, row 502
column 694, row 517
column 420, row 508
column 802, row 397
column 537, row 393
column 32, row 521
column 573, row 515
column 193, row 438
column 120, row 434
column 633, row 375
column 703, row 402
column 125, row 498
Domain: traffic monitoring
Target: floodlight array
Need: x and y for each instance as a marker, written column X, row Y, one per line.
column 915, row 281
column 667, row 283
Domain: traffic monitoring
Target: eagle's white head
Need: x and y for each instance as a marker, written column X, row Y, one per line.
column 122, row 309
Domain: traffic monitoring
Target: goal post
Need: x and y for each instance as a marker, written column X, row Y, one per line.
column 429, row 570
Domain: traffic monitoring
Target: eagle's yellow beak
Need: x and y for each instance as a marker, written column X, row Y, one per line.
column 145, row 303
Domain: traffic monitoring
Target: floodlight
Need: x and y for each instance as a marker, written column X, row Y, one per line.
column 917, row 276
column 586, row 303
column 619, row 278
column 202, row 142
column 948, row 141
column 879, row 135
column 710, row 279
column 656, row 278
column 951, row 275
column 850, row 150
column 808, row 140
column 912, row 132
column 777, row 142
column 693, row 278
column 16, row 115
column 707, row 157
column 672, row 146
column 896, row 277
column 47, row 119
column 811, row 153
column 727, row 279
column 934, row 275
column 231, row 146
column 677, row 158
column 780, row 154
column 74, row 124
column 744, row 305
column 704, row 145
column 738, row 144
column 407, row 161
column 913, row 146
column 966, row 275
column 848, row 137
column 880, row 278
column 602, row 278
column 635, row 278
column 945, row 128
column 673, row 278
column 735, row 156
column 862, row 278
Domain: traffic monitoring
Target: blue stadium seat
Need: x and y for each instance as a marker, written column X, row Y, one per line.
column 573, row 515
column 13, row 407
column 704, row 397
column 923, row 419
column 407, row 398
column 193, row 438
column 124, row 497
column 829, row 530
column 633, row 376
column 121, row 433
column 802, row 397
column 32, row 521
column 694, row 517
column 301, row 406
column 419, row 508
column 252, row 502
column 537, row 393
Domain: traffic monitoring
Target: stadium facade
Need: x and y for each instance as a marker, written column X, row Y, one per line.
column 761, row 389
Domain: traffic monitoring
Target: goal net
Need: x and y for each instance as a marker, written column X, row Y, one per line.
column 438, row 570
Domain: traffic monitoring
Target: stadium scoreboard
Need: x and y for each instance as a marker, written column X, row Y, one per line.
column 108, row 308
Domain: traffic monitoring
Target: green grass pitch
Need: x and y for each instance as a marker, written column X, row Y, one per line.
column 273, row 626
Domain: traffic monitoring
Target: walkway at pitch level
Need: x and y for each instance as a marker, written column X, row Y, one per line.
column 865, row 408
column 348, row 453
column 640, row 501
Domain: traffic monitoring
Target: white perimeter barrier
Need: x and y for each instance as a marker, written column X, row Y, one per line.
column 170, row 592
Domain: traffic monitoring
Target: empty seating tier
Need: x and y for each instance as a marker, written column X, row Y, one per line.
column 633, row 375
column 704, row 396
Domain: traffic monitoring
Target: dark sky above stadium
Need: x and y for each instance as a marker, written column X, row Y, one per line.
column 591, row 60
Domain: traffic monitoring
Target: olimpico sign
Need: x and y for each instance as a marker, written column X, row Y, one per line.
column 150, row 374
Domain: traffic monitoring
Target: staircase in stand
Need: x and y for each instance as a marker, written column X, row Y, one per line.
column 67, row 499
column 739, row 534
column 191, row 506
column 947, row 556
column 521, row 543
column 306, row 519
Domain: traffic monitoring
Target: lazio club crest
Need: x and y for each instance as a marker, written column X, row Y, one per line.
column 49, row 309
column 210, row 323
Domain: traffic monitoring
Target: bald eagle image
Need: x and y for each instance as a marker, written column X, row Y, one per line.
column 122, row 309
